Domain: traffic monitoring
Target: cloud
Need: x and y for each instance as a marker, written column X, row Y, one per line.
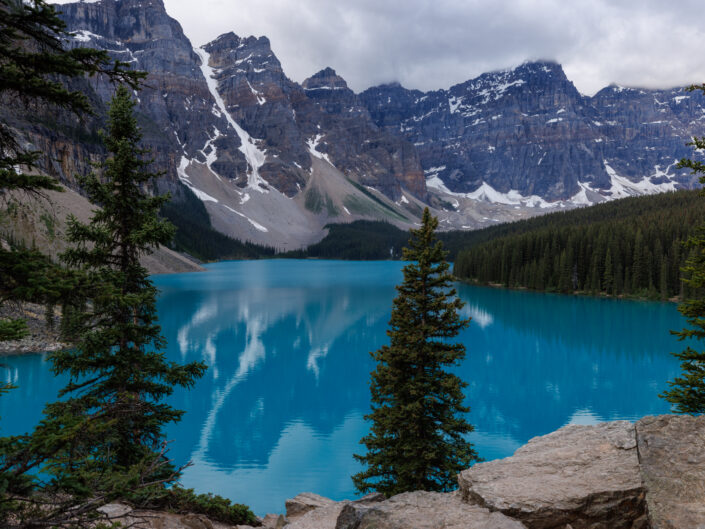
column 430, row 44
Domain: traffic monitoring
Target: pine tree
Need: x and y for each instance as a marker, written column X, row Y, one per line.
column 687, row 393
column 663, row 280
column 417, row 437
column 608, row 278
column 34, row 67
column 117, row 371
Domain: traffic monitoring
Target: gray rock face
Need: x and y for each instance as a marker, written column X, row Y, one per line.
column 311, row 511
column 181, row 118
column 528, row 129
column 273, row 521
column 584, row 476
column 673, row 470
column 321, row 518
column 423, row 510
column 175, row 106
column 305, row 502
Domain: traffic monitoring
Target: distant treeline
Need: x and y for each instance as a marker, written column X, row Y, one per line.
column 632, row 246
column 362, row 240
column 195, row 235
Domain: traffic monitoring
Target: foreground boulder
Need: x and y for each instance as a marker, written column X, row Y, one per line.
column 614, row 475
column 578, row 477
column 672, row 457
column 423, row 510
column 305, row 502
column 311, row 511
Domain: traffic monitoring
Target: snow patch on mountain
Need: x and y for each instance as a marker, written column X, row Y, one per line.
column 255, row 224
column 623, row 187
column 486, row 193
column 312, row 144
column 210, row 152
column 85, row 36
column 181, row 171
column 254, row 156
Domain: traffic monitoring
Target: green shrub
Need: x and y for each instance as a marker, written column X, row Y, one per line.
column 180, row 500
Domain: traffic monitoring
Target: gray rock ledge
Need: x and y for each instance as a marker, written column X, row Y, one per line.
column 578, row 476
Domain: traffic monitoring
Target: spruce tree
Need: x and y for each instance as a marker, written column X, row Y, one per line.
column 608, row 278
column 687, row 392
column 117, row 371
column 417, row 437
column 34, row 68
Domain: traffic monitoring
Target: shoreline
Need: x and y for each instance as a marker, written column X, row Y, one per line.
column 41, row 339
column 577, row 293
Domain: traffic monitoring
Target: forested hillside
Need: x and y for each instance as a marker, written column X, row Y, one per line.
column 364, row 240
column 633, row 246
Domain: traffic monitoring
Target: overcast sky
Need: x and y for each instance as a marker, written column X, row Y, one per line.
column 429, row 44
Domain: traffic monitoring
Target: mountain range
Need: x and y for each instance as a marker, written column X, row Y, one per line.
column 275, row 161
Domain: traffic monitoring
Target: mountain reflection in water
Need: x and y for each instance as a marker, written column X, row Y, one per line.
column 280, row 410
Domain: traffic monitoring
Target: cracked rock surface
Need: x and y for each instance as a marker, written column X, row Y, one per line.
column 582, row 476
column 672, row 458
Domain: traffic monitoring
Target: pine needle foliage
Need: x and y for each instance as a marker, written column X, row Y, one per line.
column 417, row 439
column 117, row 369
column 687, row 392
column 630, row 247
column 34, row 68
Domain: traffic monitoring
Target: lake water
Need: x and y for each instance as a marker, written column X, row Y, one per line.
column 280, row 410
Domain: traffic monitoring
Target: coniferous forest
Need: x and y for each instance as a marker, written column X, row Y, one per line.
column 630, row 247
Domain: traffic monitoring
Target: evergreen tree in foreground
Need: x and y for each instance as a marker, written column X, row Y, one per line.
column 104, row 441
column 119, row 378
column 34, row 66
column 687, row 391
column 417, row 438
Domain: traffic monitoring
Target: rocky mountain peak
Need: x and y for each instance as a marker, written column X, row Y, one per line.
column 539, row 76
column 326, row 79
column 226, row 40
column 138, row 24
column 543, row 67
column 225, row 121
column 251, row 56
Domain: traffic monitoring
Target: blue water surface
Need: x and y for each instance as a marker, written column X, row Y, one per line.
column 280, row 410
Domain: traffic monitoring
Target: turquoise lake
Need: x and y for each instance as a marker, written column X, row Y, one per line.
column 280, row 410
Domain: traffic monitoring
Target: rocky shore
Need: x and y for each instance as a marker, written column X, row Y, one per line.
column 43, row 332
column 613, row 475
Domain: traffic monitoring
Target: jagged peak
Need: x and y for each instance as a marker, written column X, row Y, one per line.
column 231, row 42
column 545, row 65
column 326, row 79
column 226, row 40
column 614, row 88
column 541, row 68
column 325, row 72
column 261, row 41
column 143, row 4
